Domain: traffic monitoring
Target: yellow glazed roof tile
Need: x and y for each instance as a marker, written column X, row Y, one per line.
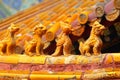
column 9, row 59
column 62, row 67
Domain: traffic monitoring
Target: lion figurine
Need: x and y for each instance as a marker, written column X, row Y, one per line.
column 94, row 43
column 36, row 45
column 64, row 43
column 7, row 45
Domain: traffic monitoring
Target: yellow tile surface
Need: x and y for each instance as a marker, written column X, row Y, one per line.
column 9, row 59
column 25, row 59
column 38, row 59
column 54, row 77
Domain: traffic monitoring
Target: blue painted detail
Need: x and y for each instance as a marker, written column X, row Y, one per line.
column 7, row 2
column 2, row 14
column 16, row 4
column 40, row 0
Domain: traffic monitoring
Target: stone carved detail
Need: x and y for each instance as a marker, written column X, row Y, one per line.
column 64, row 43
column 36, row 45
column 8, row 44
column 94, row 43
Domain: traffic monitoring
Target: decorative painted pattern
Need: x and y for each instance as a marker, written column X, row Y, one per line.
column 104, row 66
column 10, row 7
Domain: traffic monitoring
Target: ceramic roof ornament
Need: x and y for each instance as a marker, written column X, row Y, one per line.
column 67, row 26
column 36, row 45
column 7, row 45
column 93, row 44
column 64, row 43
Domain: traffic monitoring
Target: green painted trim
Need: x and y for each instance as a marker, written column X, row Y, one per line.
column 6, row 11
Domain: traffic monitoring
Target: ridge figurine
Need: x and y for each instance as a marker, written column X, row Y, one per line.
column 36, row 45
column 8, row 44
column 94, row 43
column 64, row 43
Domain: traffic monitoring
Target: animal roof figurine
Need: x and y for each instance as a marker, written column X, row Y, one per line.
column 7, row 45
column 93, row 44
column 36, row 45
column 70, row 23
